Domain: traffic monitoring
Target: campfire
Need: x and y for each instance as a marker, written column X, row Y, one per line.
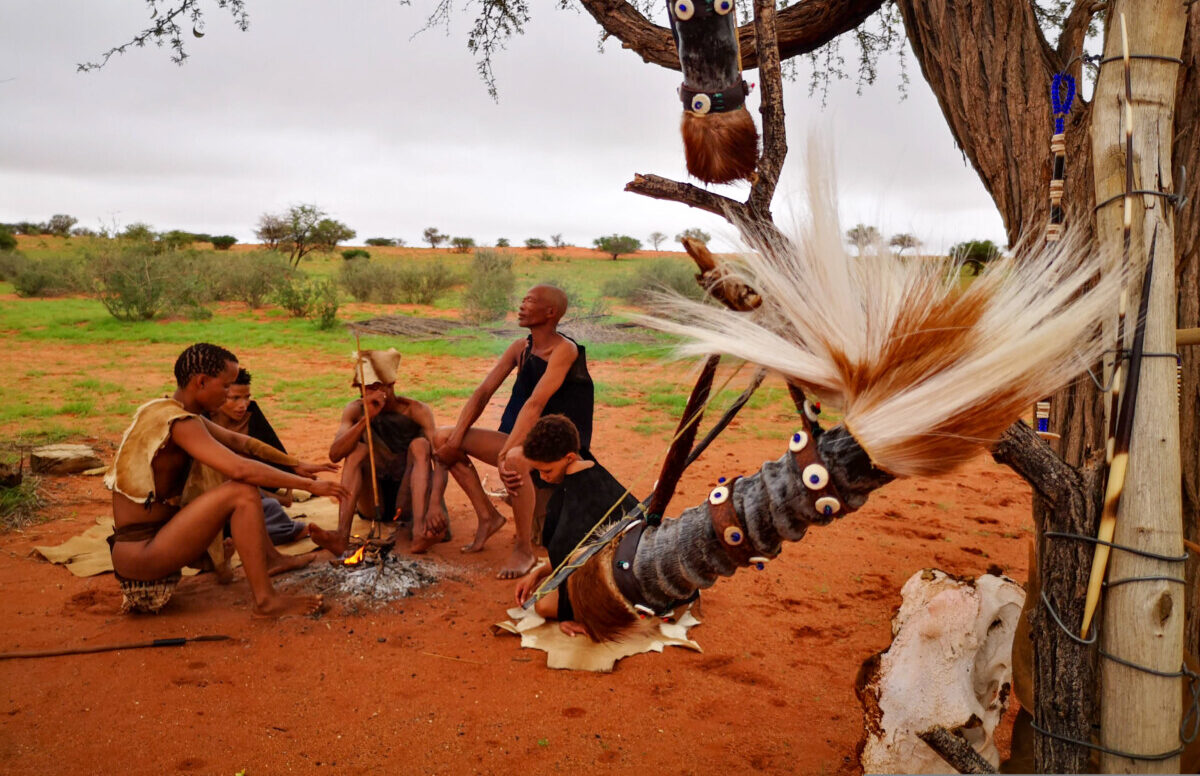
column 369, row 577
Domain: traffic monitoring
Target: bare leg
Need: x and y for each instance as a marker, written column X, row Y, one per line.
column 484, row 445
column 523, row 501
column 354, row 481
column 428, row 525
column 193, row 528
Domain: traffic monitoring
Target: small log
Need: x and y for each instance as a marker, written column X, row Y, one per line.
column 63, row 459
column 955, row 750
column 1184, row 337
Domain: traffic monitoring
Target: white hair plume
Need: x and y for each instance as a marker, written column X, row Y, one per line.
column 924, row 369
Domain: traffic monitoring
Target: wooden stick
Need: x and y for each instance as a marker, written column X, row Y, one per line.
column 362, row 389
column 174, row 642
column 1185, row 337
column 455, row 659
column 955, row 750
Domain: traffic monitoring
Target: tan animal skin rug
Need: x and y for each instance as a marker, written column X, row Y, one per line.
column 87, row 554
column 579, row 653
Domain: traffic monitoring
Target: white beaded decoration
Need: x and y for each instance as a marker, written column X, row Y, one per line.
column 815, row 477
column 798, row 442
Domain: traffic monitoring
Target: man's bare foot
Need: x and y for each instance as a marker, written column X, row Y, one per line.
column 326, row 540
column 518, row 565
column 287, row 563
column 484, row 532
column 224, row 569
column 421, row 544
column 289, row 606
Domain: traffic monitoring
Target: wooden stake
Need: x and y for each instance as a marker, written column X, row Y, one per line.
column 1143, row 621
column 362, row 389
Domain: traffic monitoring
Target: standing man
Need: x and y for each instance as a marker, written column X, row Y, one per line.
column 552, row 378
column 402, row 431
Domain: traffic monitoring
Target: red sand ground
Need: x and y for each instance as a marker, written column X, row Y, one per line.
column 422, row 686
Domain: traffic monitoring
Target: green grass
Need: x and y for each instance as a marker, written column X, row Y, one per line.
column 19, row 505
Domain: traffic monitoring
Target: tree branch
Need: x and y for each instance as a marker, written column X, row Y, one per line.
column 658, row 187
column 955, row 750
column 1022, row 450
column 774, row 134
column 1074, row 31
column 802, row 28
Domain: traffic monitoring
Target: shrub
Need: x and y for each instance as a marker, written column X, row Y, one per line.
column 502, row 242
column 423, row 283
column 355, row 253
column 251, row 278
column 380, row 242
column 7, row 241
column 547, row 256
column 139, row 232
column 462, row 244
column 51, row 276
column 369, row 282
column 657, row 275
column 694, row 233
column 616, row 244
column 176, row 239
column 535, row 242
column 974, row 254
column 295, row 294
column 10, row 263
column 137, row 283
column 324, row 303
column 223, row 242
column 557, row 239
column 489, row 295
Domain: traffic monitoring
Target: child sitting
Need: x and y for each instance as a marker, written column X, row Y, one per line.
column 584, row 494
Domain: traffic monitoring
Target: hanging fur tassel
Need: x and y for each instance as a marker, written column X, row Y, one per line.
column 925, row 371
column 720, row 141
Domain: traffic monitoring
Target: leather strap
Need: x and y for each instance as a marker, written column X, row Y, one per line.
column 730, row 98
column 814, row 474
column 729, row 528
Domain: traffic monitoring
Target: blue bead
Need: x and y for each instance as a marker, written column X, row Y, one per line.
column 828, row 510
column 720, row 480
column 735, row 536
column 759, row 566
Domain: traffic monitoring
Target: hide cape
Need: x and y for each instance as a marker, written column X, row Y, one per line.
column 720, row 141
column 924, row 370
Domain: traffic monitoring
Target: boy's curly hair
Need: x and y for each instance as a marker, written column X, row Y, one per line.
column 551, row 439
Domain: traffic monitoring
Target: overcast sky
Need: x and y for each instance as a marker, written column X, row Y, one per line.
column 336, row 103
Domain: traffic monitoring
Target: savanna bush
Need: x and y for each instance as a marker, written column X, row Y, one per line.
column 658, row 275
column 295, row 294
column 223, row 242
column 424, row 283
column 490, row 293
column 137, row 282
column 355, row 253
column 49, row 276
column 324, row 303
column 370, row 282
column 249, row 277
column 7, row 241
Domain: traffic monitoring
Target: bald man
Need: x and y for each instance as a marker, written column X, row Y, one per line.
column 552, row 378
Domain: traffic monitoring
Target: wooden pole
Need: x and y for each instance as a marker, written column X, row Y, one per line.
column 1143, row 621
column 362, row 390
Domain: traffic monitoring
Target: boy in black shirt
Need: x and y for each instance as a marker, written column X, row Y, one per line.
column 584, row 495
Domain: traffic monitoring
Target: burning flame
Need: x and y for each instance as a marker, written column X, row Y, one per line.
column 356, row 558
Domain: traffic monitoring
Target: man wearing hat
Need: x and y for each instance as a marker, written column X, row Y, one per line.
column 401, row 433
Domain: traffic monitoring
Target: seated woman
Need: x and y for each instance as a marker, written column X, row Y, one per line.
column 584, row 495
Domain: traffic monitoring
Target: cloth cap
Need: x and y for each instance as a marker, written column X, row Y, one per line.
column 378, row 366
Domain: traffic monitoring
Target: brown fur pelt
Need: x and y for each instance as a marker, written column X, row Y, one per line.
column 720, row 147
column 599, row 606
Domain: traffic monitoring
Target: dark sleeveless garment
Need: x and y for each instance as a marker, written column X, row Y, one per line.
column 579, row 502
column 574, row 398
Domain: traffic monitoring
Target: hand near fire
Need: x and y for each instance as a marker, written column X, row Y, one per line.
column 329, row 488
column 310, row 469
column 529, row 583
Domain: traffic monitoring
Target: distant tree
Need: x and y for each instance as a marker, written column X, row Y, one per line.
column 974, row 253
column 272, row 230
column 656, row 239
column 501, row 242
column 861, row 235
column 904, row 241
column 60, row 224
column 328, row 233
column 176, row 239
column 399, row 242
column 27, row 228
column 83, row 231
column 616, row 244
column 7, row 241
column 355, row 253
column 462, row 244
column 434, row 237
column 223, row 242
column 380, row 242
column 695, row 234
column 139, row 232
column 535, row 242
column 557, row 240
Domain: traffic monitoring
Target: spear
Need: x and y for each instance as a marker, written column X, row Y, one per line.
column 1120, row 455
column 172, row 642
column 362, row 388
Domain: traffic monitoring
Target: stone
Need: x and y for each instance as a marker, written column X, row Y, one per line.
column 63, row 459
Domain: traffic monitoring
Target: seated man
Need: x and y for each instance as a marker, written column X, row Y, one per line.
column 552, row 377
column 584, row 494
column 401, row 433
column 153, row 537
column 242, row 414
